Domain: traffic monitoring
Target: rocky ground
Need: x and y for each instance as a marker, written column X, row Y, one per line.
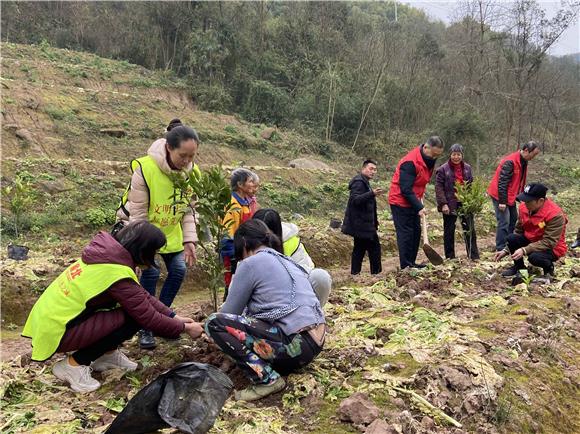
column 450, row 349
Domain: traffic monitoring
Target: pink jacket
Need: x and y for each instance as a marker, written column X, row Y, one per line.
column 138, row 199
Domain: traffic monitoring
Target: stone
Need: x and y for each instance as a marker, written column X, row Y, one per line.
column 297, row 216
column 399, row 402
column 25, row 135
column 428, row 423
column 40, row 271
column 379, row 426
column 309, row 163
column 113, row 132
column 267, row 133
column 572, row 305
column 335, row 223
column 358, row 409
column 119, row 184
column 53, row 187
column 479, row 347
column 11, row 127
column 455, row 379
column 407, row 422
column 522, row 312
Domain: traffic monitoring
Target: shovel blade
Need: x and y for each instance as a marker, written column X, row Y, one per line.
column 434, row 257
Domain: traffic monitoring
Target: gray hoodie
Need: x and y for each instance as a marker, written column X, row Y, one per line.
column 263, row 284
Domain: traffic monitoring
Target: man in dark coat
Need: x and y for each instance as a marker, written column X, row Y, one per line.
column 360, row 219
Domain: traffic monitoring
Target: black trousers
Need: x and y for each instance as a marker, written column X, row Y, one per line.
column 408, row 230
column 545, row 259
column 107, row 343
column 469, row 235
column 361, row 247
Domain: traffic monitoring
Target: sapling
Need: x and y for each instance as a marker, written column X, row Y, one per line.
column 473, row 198
column 20, row 196
column 213, row 201
column 527, row 278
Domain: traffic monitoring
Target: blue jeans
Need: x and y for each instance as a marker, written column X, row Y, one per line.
column 506, row 223
column 175, row 264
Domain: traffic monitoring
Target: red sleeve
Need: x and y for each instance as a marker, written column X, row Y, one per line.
column 160, row 307
column 147, row 311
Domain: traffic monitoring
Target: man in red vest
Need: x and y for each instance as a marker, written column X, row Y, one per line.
column 507, row 183
column 405, row 197
column 540, row 233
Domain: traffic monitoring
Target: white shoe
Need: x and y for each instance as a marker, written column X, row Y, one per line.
column 114, row 360
column 79, row 377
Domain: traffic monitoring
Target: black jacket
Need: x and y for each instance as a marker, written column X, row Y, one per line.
column 360, row 218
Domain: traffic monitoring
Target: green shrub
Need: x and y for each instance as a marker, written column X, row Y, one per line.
column 267, row 103
column 99, row 217
column 56, row 113
column 230, row 129
column 212, row 97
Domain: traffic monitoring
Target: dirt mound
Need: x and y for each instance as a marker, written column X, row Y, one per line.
column 309, row 163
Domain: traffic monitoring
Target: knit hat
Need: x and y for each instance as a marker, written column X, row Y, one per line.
column 456, row 148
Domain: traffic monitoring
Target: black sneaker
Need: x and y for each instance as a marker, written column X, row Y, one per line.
column 511, row 272
column 518, row 278
column 146, row 340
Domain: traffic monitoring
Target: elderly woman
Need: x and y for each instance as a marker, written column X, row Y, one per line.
column 447, row 176
column 150, row 197
column 272, row 322
column 97, row 303
column 244, row 185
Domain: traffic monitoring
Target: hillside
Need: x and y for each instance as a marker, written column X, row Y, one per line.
column 497, row 358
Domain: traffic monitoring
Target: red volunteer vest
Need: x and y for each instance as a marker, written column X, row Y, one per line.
column 533, row 225
column 423, row 176
column 517, row 183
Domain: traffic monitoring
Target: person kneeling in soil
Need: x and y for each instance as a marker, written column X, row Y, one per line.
column 283, row 327
column 293, row 248
column 540, row 234
column 97, row 303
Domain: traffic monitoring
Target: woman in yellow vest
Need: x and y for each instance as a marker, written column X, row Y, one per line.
column 97, row 303
column 151, row 197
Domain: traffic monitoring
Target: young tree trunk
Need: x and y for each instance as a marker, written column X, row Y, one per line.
column 366, row 112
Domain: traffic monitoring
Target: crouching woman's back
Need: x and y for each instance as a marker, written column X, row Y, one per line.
column 272, row 322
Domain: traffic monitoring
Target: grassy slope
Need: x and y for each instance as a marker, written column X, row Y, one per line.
column 64, row 98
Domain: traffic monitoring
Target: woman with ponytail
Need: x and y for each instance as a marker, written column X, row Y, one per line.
column 271, row 323
column 152, row 196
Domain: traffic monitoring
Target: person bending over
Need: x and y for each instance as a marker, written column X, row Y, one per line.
column 293, row 248
column 271, row 323
column 540, row 233
column 97, row 303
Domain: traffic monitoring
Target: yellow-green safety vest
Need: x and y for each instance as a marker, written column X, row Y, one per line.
column 291, row 245
column 163, row 212
column 65, row 299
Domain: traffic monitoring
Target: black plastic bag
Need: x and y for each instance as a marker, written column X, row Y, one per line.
column 18, row 253
column 188, row 397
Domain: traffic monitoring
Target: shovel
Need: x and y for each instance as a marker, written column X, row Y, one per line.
column 431, row 254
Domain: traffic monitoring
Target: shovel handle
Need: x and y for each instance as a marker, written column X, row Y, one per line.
column 424, row 229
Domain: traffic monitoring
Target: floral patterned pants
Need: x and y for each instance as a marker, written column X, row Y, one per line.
column 262, row 350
